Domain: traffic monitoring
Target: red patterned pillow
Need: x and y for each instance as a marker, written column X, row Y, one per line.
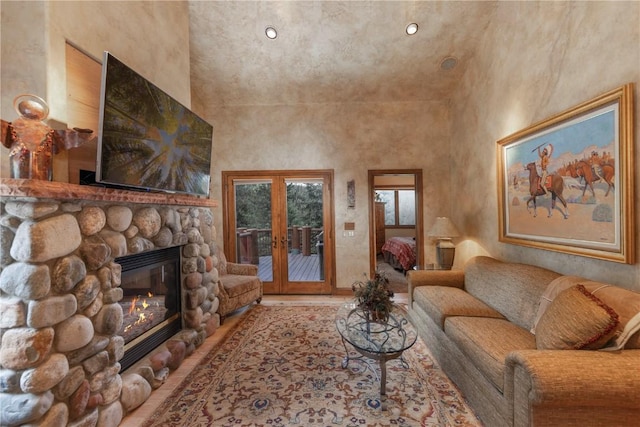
column 576, row 319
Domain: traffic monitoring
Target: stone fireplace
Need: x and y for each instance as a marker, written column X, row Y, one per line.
column 65, row 300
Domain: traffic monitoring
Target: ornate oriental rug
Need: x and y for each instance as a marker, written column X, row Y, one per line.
column 281, row 366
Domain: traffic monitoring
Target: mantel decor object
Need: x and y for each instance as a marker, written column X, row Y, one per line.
column 444, row 230
column 32, row 143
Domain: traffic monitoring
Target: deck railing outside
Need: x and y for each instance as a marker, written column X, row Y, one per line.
column 254, row 243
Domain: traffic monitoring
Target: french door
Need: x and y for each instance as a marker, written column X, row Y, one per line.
column 282, row 222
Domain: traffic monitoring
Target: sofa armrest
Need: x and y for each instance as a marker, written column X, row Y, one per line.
column 597, row 385
column 415, row 278
column 242, row 269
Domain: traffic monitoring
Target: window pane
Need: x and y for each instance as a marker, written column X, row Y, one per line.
column 388, row 197
column 253, row 205
column 253, row 224
column 407, row 207
column 304, row 225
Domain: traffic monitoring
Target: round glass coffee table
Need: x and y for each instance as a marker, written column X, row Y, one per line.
column 375, row 341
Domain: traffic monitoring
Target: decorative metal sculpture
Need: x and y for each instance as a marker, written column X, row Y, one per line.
column 33, row 143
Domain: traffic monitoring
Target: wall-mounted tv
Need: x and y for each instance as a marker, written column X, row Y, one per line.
column 146, row 139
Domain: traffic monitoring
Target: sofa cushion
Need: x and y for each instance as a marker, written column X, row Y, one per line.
column 440, row 302
column 576, row 319
column 631, row 329
column 486, row 342
column 237, row 285
column 512, row 289
column 242, row 269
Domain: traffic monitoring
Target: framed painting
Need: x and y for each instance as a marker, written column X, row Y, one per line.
column 566, row 184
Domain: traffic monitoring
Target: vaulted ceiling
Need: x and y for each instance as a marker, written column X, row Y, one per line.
column 326, row 51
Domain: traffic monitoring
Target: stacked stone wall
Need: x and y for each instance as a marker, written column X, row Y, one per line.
column 59, row 311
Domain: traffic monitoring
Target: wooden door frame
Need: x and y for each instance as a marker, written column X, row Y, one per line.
column 228, row 202
column 417, row 177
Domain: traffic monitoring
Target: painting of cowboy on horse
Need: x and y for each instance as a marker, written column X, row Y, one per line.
column 568, row 169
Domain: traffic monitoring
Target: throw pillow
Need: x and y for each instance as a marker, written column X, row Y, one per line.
column 576, row 320
column 553, row 289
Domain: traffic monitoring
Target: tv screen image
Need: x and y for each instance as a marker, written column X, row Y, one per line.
column 147, row 140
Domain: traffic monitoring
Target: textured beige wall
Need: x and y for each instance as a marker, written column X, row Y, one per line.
column 151, row 37
column 22, row 53
column 23, row 60
column 348, row 138
column 538, row 59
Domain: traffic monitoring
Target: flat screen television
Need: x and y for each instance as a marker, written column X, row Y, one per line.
column 146, row 139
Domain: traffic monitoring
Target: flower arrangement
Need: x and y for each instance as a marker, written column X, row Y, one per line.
column 374, row 296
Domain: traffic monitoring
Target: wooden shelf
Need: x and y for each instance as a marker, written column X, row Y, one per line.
column 38, row 189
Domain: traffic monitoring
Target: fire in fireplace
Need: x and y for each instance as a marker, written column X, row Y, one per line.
column 151, row 301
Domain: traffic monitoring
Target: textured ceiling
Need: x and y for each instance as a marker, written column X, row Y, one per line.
column 326, row 51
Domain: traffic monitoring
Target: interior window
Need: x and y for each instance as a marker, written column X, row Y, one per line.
column 399, row 207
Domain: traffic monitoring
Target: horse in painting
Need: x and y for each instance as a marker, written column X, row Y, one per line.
column 555, row 186
column 582, row 169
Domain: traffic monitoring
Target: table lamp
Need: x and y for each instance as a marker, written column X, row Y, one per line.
column 444, row 230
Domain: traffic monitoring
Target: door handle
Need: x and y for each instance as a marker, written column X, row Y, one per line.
column 283, row 241
column 275, row 242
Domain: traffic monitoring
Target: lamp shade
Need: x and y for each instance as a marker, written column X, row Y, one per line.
column 443, row 228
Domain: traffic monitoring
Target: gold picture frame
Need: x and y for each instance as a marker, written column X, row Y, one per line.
column 588, row 208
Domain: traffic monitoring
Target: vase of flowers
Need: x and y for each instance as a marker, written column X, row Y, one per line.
column 374, row 297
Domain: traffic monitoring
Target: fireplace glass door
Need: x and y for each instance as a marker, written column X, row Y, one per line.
column 151, row 301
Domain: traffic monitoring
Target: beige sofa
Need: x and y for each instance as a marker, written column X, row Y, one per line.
column 478, row 325
column 239, row 286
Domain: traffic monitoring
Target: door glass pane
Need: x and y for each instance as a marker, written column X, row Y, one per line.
column 305, row 230
column 407, row 207
column 253, row 226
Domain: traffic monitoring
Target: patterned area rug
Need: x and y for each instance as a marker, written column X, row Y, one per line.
column 281, row 366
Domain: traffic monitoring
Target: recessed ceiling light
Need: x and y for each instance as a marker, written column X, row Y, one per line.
column 412, row 28
column 271, row 33
column 448, row 63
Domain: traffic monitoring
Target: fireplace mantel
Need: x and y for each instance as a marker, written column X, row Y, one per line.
column 38, row 189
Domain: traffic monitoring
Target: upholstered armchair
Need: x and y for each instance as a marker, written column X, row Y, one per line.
column 239, row 286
